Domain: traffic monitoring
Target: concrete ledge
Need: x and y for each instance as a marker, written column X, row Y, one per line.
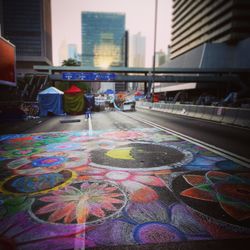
column 234, row 116
column 218, row 114
column 199, row 112
column 243, row 118
column 230, row 115
column 192, row 110
column 207, row 113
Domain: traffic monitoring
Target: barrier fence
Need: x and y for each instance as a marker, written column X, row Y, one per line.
column 227, row 115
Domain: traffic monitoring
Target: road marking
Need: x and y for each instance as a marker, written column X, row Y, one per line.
column 229, row 155
column 90, row 126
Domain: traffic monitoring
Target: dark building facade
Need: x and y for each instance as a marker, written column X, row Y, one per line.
column 209, row 34
column 196, row 22
column 27, row 24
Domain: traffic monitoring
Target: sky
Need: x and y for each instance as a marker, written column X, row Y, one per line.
column 140, row 16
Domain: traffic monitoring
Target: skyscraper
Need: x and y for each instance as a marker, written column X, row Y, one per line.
column 72, row 51
column 200, row 21
column 27, row 24
column 160, row 58
column 104, row 42
column 138, row 50
column 103, row 39
column 137, row 54
column 208, row 34
column 62, row 52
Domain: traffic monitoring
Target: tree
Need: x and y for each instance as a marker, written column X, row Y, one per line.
column 71, row 62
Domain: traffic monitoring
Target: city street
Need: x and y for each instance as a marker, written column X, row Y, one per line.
column 124, row 125
column 132, row 180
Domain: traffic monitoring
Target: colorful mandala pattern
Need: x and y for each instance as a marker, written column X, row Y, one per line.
column 148, row 223
column 232, row 192
column 138, row 185
column 219, row 200
column 20, row 232
column 156, row 232
column 36, row 184
column 20, row 152
column 88, row 202
column 139, row 156
column 65, row 146
column 49, row 163
column 76, row 190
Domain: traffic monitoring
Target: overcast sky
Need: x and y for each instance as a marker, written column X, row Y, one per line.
column 66, row 21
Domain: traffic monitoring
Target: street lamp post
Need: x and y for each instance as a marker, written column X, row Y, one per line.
column 155, row 36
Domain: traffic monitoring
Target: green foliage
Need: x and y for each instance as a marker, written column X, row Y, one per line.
column 71, row 62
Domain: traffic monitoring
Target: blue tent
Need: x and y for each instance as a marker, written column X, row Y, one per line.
column 50, row 100
column 109, row 91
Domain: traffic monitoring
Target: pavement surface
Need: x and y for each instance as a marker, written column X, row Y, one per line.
column 116, row 183
column 228, row 137
column 20, row 126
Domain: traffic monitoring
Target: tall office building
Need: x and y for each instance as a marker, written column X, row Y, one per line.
column 196, row 22
column 208, row 34
column 137, row 50
column 72, row 51
column 62, row 52
column 104, row 40
column 27, row 24
column 137, row 53
column 160, row 58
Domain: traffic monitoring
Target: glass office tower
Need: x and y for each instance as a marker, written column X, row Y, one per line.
column 103, row 39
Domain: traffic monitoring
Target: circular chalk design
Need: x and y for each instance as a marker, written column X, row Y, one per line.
column 48, row 161
column 37, row 184
column 141, row 156
column 156, row 232
column 88, row 202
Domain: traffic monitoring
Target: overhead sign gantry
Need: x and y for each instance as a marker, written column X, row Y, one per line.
column 125, row 74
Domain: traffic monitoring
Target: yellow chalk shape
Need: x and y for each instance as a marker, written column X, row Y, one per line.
column 120, row 153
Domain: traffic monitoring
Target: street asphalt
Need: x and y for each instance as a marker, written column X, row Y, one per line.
column 161, row 191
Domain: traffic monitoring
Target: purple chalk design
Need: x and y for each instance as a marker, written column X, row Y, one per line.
column 65, row 146
column 156, row 232
column 21, row 232
column 49, row 161
column 147, row 212
column 112, row 233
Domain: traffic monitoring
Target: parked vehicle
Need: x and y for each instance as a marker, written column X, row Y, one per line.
column 128, row 106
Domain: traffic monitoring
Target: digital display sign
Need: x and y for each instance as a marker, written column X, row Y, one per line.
column 7, row 63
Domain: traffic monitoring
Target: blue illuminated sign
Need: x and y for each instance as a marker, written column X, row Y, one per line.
column 87, row 76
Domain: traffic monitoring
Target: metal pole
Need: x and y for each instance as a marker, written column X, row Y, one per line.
column 155, row 35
